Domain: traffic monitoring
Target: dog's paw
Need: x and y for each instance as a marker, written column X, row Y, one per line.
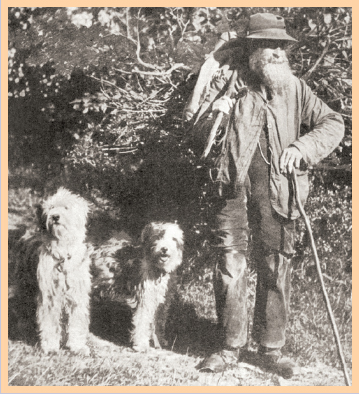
column 78, row 347
column 141, row 348
column 82, row 351
column 48, row 348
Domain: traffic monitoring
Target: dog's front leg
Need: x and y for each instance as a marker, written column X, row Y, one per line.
column 49, row 304
column 48, row 319
column 78, row 327
column 78, row 331
column 141, row 332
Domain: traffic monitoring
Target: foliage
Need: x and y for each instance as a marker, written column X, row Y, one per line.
column 72, row 69
column 330, row 215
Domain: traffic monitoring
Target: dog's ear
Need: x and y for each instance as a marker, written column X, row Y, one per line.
column 41, row 217
column 146, row 233
column 90, row 208
column 176, row 233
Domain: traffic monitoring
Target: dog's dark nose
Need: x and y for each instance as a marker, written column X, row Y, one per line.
column 55, row 218
column 164, row 250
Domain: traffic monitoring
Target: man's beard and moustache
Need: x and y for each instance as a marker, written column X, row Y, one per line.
column 272, row 67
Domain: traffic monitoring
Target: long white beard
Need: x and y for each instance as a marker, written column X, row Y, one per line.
column 273, row 69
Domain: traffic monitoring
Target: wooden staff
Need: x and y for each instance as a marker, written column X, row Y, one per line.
column 319, row 270
column 213, row 133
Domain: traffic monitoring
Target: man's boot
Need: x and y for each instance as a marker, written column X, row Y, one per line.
column 220, row 361
column 271, row 359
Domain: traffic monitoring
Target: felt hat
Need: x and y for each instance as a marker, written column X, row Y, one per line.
column 268, row 27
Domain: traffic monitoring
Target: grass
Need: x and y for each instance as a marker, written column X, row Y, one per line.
column 112, row 363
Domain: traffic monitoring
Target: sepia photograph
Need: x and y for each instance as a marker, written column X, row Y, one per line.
column 179, row 196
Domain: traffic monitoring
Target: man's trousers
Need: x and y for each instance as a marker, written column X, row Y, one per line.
column 246, row 216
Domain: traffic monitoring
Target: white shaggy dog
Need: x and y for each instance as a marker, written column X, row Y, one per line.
column 144, row 278
column 59, row 257
column 162, row 245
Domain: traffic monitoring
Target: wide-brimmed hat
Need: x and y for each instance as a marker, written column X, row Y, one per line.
column 268, row 27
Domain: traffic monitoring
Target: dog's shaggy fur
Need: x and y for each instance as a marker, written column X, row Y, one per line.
column 145, row 278
column 162, row 253
column 104, row 262
column 54, row 267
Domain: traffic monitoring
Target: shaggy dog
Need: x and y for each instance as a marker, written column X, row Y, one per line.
column 104, row 262
column 145, row 279
column 53, row 271
column 162, row 245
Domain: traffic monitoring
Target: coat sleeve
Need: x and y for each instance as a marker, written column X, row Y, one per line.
column 326, row 128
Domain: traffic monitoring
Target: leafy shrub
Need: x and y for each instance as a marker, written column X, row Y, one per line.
column 74, row 68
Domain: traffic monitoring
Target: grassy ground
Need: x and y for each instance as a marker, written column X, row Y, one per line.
column 112, row 362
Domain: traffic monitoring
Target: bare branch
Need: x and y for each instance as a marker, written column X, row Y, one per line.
column 128, row 23
column 105, row 94
column 179, row 20
column 142, row 110
column 129, row 38
column 151, row 97
column 148, row 65
column 316, row 64
column 157, row 73
column 123, row 71
column 120, row 149
column 123, row 91
column 137, row 43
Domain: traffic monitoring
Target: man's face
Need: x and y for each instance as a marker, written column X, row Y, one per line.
column 269, row 44
column 268, row 60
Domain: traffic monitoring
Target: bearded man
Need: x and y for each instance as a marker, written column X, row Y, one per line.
column 274, row 125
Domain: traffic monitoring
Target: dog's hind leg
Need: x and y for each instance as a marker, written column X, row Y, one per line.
column 156, row 342
column 159, row 326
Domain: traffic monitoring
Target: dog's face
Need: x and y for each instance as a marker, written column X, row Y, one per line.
column 64, row 215
column 163, row 245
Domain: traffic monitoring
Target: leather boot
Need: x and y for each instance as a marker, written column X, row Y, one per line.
column 220, row 361
column 272, row 360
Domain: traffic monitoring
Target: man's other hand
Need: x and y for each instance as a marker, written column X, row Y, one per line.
column 289, row 160
column 223, row 104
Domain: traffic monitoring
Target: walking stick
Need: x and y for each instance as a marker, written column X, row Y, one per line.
column 326, row 298
column 212, row 134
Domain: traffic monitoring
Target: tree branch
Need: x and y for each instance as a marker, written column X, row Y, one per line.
column 137, row 43
column 123, row 91
column 157, row 73
column 139, row 47
column 138, row 51
column 316, row 64
column 142, row 110
column 128, row 23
